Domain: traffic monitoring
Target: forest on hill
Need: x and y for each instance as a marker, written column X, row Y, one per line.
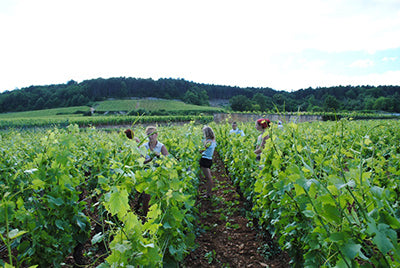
column 72, row 93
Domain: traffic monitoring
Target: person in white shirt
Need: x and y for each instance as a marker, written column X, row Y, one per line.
column 154, row 149
column 206, row 157
column 154, row 146
column 235, row 130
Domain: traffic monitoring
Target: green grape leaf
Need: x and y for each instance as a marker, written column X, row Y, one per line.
column 351, row 250
column 118, row 203
column 381, row 238
column 38, row 184
column 332, row 213
column 55, row 201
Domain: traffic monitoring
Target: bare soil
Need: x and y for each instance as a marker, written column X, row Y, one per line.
column 227, row 238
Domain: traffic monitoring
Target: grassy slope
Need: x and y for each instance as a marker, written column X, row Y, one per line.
column 110, row 105
column 150, row 105
column 46, row 113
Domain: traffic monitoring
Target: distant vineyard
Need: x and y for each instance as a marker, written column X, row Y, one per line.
column 150, row 105
column 111, row 112
column 63, row 121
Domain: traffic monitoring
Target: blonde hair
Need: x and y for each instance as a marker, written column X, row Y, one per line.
column 150, row 128
column 208, row 132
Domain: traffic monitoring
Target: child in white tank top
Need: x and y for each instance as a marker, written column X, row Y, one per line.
column 153, row 145
column 154, row 148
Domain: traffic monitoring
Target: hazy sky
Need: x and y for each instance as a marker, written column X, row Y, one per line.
column 285, row 44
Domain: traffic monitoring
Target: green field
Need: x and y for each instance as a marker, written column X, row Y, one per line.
column 113, row 106
column 149, row 105
column 153, row 111
column 57, row 112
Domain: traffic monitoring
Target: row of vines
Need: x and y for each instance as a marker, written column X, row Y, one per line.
column 71, row 192
column 86, row 121
column 327, row 191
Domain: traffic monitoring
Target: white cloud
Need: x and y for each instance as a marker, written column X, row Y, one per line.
column 389, row 59
column 362, row 63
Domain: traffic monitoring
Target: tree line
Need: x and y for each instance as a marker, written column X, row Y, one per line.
column 340, row 98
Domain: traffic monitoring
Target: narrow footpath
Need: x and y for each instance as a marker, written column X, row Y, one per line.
column 226, row 238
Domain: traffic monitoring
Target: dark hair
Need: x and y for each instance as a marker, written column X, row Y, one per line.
column 264, row 123
column 129, row 133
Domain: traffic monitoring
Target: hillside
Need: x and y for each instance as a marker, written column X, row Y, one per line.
column 151, row 106
column 339, row 98
column 136, row 106
column 111, row 112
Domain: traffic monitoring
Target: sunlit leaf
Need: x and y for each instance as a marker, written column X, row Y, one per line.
column 15, row 233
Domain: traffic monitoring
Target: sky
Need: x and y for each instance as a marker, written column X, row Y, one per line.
column 284, row 45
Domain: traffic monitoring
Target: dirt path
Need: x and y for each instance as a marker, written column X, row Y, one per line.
column 226, row 240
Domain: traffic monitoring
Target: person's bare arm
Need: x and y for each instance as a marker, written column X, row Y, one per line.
column 164, row 150
column 259, row 149
column 264, row 140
